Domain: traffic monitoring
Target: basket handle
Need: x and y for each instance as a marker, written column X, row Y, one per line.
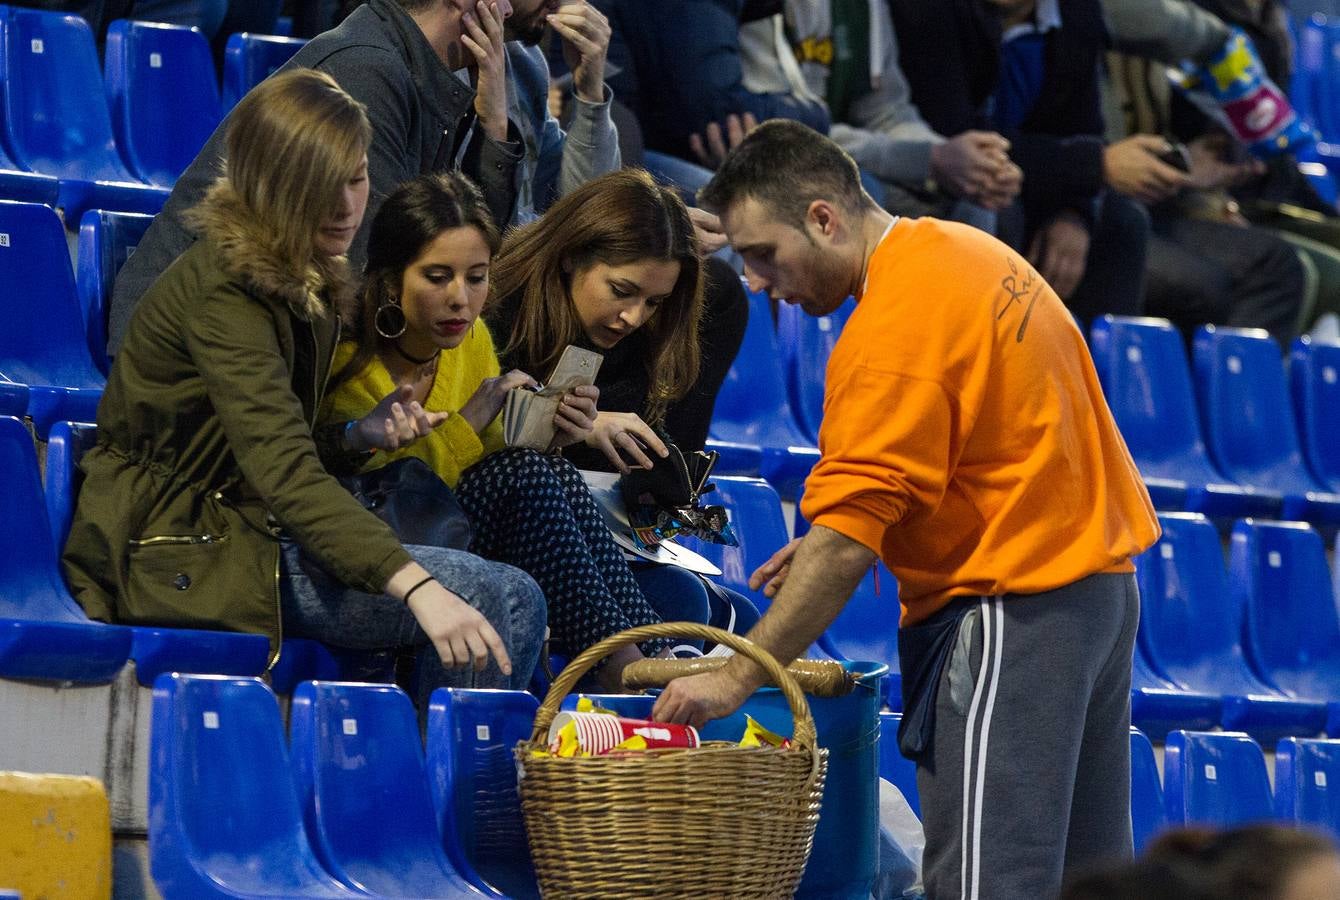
column 804, row 735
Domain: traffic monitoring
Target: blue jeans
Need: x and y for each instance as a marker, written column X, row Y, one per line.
column 679, row 595
column 318, row 606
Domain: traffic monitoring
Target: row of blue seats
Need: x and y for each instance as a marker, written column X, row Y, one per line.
column 1221, row 780
column 236, row 812
column 74, row 139
column 348, row 806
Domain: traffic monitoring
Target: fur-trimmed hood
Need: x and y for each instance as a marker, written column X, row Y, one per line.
column 247, row 252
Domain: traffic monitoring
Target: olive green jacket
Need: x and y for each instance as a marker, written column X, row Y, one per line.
column 205, row 452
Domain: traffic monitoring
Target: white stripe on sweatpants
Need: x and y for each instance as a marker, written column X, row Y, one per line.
column 993, row 640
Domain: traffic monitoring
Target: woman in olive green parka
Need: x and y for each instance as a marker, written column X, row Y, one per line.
column 205, row 504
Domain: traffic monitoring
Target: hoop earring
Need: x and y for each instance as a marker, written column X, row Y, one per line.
column 389, row 319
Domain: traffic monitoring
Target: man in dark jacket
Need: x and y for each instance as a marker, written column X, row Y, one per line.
column 679, row 69
column 1032, row 74
column 400, row 64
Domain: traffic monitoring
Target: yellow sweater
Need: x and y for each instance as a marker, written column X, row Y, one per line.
column 965, row 437
column 453, row 446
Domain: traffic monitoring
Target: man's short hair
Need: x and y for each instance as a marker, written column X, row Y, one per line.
column 787, row 166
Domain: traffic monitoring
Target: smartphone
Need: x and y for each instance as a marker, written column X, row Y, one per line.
column 1176, row 155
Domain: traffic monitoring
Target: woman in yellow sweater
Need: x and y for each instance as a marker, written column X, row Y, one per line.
column 421, row 352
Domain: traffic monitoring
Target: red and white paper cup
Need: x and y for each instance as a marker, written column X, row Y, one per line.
column 599, row 733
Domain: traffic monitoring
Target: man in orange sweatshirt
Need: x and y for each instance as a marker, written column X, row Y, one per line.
column 966, row 443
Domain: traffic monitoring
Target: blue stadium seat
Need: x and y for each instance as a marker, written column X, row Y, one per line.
column 44, row 634
column 1191, row 627
column 1142, row 365
column 106, row 240
column 1308, row 73
column 66, row 445
column 13, row 398
column 1215, row 779
column 806, row 342
column 1147, row 813
column 1292, row 632
column 752, row 409
column 1158, row 706
column 1249, row 424
column 1314, row 380
column 893, row 766
column 1307, row 783
column 154, row 649
column 224, row 819
column 358, row 762
column 42, row 342
column 472, row 777
column 163, row 96
column 867, row 629
column 29, row 187
column 55, row 113
column 756, row 516
column 249, row 59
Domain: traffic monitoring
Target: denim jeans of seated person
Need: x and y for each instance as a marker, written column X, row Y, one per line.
column 318, row 606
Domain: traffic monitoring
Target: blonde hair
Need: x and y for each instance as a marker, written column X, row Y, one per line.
column 620, row 218
column 293, row 142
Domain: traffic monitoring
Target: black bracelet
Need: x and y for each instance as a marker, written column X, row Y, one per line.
column 409, row 593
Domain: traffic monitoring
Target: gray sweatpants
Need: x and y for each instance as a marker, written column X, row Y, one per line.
column 1029, row 775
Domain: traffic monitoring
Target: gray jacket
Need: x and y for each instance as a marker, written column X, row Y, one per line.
column 421, row 114
column 883, row 131
column 553, row 162
column 1167, row 30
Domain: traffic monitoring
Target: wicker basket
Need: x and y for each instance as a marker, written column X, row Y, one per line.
column 714, row 821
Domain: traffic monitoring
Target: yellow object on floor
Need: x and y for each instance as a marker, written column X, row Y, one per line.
column 55, row 837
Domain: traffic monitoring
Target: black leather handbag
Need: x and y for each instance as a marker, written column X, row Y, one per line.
column 418, row 506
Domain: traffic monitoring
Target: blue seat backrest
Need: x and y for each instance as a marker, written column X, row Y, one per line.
column 30, row 581
column 472, row 777
column 867, row 627
column 249, row 59
column 42, row 341
column 893, row 766
column 1309, row 66
column 55, row 112
column 1245, row 407
column 752, row 406
column 806, row 342
column 1307, row 783
column 106, row 240
column 1292, row 629
column 66, row 445
column 1147, row 814
column 1143, row 369
column 224, row 819
column 760, row 525
column 163, row 97
column 1314, row 378
column 1215, row 779
column 357, row 760
column 1328, row 85
column 1190, row 623
column 61, row 643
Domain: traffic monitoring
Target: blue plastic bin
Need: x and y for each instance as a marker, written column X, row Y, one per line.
column 844, row 861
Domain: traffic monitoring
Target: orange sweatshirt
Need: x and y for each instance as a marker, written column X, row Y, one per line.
column 965, row 437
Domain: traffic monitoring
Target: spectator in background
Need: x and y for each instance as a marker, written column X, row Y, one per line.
column 848, row 57
column 1207, row 263
column 1031, row 71
column 554, row 161
column 399, row 58
column 1260, row 861
column 205, row 503
column 680, row 73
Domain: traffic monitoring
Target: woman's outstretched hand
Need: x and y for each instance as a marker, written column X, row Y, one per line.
column 395, row 422
column 624, row 436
